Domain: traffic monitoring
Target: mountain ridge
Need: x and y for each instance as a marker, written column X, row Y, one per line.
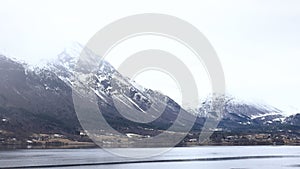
column 39, row 100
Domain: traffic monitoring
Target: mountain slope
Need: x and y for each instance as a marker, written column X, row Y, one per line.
column 111, row 87
column 40, row 100
column 241, row 115
column 34, row 101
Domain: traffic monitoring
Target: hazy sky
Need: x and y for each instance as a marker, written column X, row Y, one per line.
column 258, row 42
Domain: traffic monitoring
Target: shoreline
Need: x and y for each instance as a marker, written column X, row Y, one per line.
column 90, row 145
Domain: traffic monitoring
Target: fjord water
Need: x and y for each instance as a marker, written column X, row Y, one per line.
column 208, row 157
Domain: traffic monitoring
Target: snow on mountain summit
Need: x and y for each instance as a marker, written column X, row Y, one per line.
column 106, row 81
column 242, row 111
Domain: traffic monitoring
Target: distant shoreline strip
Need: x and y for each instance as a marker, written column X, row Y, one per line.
column 152, row 161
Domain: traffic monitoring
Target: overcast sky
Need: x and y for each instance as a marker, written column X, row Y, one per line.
column 258, row 42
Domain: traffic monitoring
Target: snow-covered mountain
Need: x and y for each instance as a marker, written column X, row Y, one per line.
column 242, row 113
column 65, row 64
column 235, row 110
column 42, row 97
column 114, row 90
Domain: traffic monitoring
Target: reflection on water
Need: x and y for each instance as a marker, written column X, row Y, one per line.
column 177, row 158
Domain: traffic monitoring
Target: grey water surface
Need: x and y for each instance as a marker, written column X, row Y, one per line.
column 207, row 157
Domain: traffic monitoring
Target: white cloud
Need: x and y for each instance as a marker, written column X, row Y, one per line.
column 257, row 41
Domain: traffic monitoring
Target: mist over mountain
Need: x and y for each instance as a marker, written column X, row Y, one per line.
column 39, row 100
